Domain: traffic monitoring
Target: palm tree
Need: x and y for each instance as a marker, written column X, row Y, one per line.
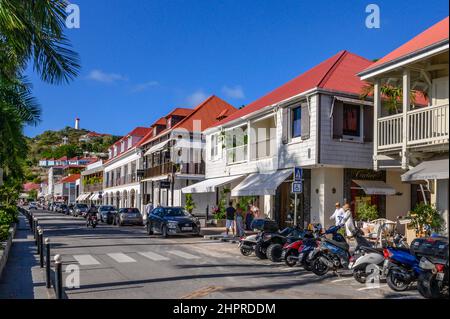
column 392, row 95
column 33, row 31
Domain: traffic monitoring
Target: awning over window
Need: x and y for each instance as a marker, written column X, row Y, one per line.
column 209, row 185
column 156, row 147
column 95, row 196
column 353, row 101
column 428, row 170
column 261, row 184
column 84, row 196
column 376, row 187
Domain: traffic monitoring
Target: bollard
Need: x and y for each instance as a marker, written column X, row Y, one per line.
column 37, row 240
column 41, row 247
column 58, row 276
column 47, row 263
column 36, row 225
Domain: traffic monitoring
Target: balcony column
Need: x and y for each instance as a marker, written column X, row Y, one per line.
column 376, row 116
column 406, row 103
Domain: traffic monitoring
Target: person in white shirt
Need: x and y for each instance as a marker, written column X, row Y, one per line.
column 338, row 214
column 348, row 221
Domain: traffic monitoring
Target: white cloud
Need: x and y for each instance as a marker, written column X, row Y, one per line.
column 233, row 92
column 196, row 98
column 100, row 76
column 144, row 86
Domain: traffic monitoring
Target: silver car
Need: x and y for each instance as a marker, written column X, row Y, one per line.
column 128, row 216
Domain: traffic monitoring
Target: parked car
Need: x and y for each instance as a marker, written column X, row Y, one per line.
column 172, row 221
column 62, row 208
column 128, row 216
column 32, row 205
column 106, row 213
column 80, row 210
column 69, row 210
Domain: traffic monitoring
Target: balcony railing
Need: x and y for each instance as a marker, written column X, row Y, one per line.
column 93, row 187
column 124, row 180
column 263, row 149
column 425, row 126
column 172, row 168
column 237, row 154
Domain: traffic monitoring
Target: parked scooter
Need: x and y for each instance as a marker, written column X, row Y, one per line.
column 247, row 244
column 433, row 281
column 270, row 244
column 296, row 253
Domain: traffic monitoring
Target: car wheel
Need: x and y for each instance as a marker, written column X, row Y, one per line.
column 260, row 251
column 274, row 252
column 164, row 233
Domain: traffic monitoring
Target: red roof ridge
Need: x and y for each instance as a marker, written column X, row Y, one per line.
column 330, row 71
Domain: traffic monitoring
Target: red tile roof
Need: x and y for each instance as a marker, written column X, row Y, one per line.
column 433, row 35
column 30, row 186
column 161, row 121
column 338, row 73
column 70, row 179
column 179, row 111
column 206, row 112
column 64, row 158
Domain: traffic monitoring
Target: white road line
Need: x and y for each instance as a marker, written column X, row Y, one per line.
column 343, row 279
column 369, row 287
column 121, row 258
column 153, row 256
column 182, row 254
column 86, row 260
column 211, row 251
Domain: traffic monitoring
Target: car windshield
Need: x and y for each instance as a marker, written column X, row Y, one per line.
column 106, row 208
column 175, row 211
column 130, row 211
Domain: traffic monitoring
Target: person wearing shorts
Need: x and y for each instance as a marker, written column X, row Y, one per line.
column 230, row 216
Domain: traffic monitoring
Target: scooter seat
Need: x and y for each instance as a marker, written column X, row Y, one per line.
column 342, row 245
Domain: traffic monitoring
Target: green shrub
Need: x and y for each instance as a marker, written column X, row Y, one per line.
column 8, row 215
column 367, row 212
column 4, row 232
column 190, row 204
column 426, row 219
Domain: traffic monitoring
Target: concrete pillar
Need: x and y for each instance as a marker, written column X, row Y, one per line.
column 406, row 103
column 376, row 115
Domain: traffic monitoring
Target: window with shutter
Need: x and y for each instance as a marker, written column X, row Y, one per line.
column 338, row 120
column 368, row 123
column 296, row 122
column 305, row 122
column 285, row 126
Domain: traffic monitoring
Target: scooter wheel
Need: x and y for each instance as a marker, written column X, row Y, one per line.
column 260, row 252
column 290, row 253
column 429, row 287
column 360, row 275
column 394, row 282
column 245, row 251
column 274, row 252
column 319, row 268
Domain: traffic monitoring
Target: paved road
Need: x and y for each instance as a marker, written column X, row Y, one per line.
column 124, row 262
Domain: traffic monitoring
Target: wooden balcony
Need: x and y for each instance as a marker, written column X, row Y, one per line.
column 171, row 168
column 426, row 127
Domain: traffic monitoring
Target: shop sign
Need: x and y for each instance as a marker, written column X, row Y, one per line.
column 164, row 184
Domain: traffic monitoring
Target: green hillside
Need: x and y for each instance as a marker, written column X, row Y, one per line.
column 50, row 145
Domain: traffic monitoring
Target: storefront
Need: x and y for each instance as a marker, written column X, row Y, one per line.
column 366, row 186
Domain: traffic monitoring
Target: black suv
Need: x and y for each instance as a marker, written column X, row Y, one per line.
column 172, row 221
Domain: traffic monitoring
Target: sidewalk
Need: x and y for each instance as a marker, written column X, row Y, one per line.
column 220, row 231
column 22, row 277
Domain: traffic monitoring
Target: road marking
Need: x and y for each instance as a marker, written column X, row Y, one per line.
column 343, row 279
column 182, row 254
column 86, row 260
column 210, row 251
column 369, row 287
column 121, row 258
column 153, row 256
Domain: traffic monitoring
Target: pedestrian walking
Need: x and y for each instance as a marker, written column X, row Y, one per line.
column 240, row 231
column 338, row 214
column 249, row 218
column 348, row 221
column 230, row 216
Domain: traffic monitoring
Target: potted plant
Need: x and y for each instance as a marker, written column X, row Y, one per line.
column 425, row 219
column 190, row 204
column 366, row 212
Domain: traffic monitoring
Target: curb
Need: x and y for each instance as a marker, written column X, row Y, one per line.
column 5, row 252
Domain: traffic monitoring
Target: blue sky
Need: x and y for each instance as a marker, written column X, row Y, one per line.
column 142, row 58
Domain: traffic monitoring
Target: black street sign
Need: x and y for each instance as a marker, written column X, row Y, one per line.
column 164, row 184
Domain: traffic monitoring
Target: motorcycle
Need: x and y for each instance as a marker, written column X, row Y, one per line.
column 296, row 253
column 92, row 221
column 401, row 268
column 433, row 281
column 247, row 244
column 270, row 244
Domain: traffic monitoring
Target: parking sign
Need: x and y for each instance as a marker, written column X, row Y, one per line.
column 297, row 187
